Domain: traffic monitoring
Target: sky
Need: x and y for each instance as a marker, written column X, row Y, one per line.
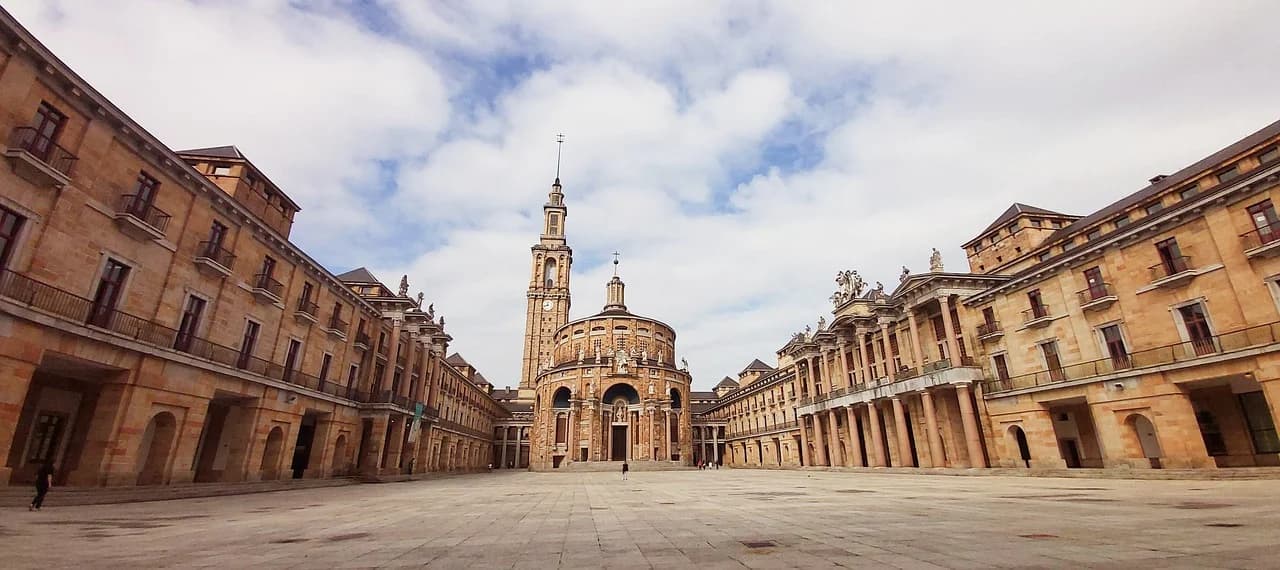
column 737, row 154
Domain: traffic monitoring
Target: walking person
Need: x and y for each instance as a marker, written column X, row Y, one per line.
column 625, row 469
column 44, row 480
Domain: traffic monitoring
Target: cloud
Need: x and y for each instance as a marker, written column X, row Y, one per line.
column 737, row 154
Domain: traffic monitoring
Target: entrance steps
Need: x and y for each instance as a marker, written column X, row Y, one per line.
column 1223, row 474
column 20, row 496
column 616, row 466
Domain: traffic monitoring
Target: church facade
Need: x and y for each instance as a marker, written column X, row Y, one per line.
column 602, row 388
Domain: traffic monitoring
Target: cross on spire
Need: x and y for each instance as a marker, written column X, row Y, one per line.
column 615, row 264
column 559, row 145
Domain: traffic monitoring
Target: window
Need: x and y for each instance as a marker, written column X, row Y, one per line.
column 1038, row 308
column 1036, row 222
column 989, row 316
column 1154, row 208
column 549, row 273
column 1043, row 256
column 1001, row 365
column 1011, row 228
column 45, row 437
column 325, row 362
column 268, row 267
column 1093, row 234
column 247, row 343
column 1228, row 175
column 352, row 373
column 189, row 323
column 553, row 224
column 107, row 294
column 1171, row 258
column 1189, row 192
column 1121, row 221
column 1269, row 155
column 222, row 170
column 1196, row 324
column 1068, row 245
column 47, row 125
column 217, row 235
column 1262, row 429
column 1114, row 342
column 1264, row 220
column 10, row 225
column 1052, row 362
column 144, row 195
column 1095, row 288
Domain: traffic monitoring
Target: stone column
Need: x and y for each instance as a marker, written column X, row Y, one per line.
column 502, row 457
column 904, row 436
column 433, row 378
column 877, row 440
column 394, row 446
column 949, row 329
column 888, row 353
column 864, row 365
column 372, row 460
column 845, row 381
column 931, row 425
column 834, row 435
column 826, row 370
column 389, row 372
column 804, row 444
column 917, row 351
column 819, row 441
column 653, row 430
column 855, row 443
column 972, row 438
column 571, row 433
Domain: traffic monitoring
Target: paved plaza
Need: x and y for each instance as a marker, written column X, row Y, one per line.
column 711, row 519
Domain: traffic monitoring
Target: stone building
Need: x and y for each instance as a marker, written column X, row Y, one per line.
column 604, row 387
column 158, row 326
column 1142, row 335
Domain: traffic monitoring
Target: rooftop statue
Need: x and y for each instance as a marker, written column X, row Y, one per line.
column 404, row 285
column 935, row 261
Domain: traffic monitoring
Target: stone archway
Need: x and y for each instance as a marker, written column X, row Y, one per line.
column 1148, row 441
column 340, row 456
column 153, row 451
column 1018, row 446
column 271, row 454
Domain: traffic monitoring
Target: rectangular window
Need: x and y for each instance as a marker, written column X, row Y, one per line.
column 10, row 224
column 247, row 344
column 144, row 195
column 1120, row 221
column 45, row 437
column 217, row 235
column 268, row 266
column 1171, row 258
column 1228, row 175
column 1197, row 326
column 1262, row 429
column 352, row 373
column 1265, row 228
column 1036, row 222
column 222, row 170
column 1038, row 308
column 1189, row 192
column 1001, row 366
column 1154, row 208
column 1068, row 245
column 47, row 125
column 1116, row 350
column 553, row 224
column 1011, row 228
column 107, row 295
column 1269, row 155
column 1095, row 288
column 1093, row 234
column 1052, row 361
column 291, row 358
column 989, row 316
column 1043, row 256
column 189, row 324
column 325, row 361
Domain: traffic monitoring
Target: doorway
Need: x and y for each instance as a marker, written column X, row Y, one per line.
column 1024, row 449
column 1147, row 441
column 1070, row 453
column 302, row 448
column 618, row 451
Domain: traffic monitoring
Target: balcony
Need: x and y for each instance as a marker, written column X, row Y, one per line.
column 384, row 351
column 990, row 331
column 214, row 261
column 266, row 289
column 140, row 219
column 1037, row 316
column 1173, row 272
column 337, row 328
column 67, row 306
column 306, row 312
column 1262, row 242
column 936, row 373
column 1132, row 363
column 38, row 159
column 1096, row 297
column 362, row 341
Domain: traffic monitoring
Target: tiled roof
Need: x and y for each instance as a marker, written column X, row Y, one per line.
column 358, row 275
column 1013, row 212
column 757, row 365
column 228, row 151
column 703, row 396
column 727, row 383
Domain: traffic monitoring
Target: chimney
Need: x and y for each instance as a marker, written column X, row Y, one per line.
column 1157, row 178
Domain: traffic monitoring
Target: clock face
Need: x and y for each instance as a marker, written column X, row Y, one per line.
column 546, row 305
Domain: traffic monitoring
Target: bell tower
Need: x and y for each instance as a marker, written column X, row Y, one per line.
column 548, row 295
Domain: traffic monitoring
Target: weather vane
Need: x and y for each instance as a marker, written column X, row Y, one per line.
column 559, row 144
column 615, row 264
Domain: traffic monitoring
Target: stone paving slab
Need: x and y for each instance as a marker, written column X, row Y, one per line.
column 674, row 519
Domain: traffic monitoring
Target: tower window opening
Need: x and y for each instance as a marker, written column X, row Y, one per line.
column 549, row 273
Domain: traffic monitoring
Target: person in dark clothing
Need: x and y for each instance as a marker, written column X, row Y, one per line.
column 44, row 480
column 625, row 468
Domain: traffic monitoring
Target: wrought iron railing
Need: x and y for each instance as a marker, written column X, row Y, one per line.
column 71, row 307
column 1037, row 311
column 216, row 253
column 337, row 324
column 1169, row 267
column 143, row 210
column 43, row 148
column 990, row 328
column 1251, row 337
column 1095, row 292
column 308, row 306
column 1259, row 237
column 362, row 338
column 784, row 426
column 266, row 283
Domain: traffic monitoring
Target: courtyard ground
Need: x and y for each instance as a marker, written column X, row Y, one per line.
column 703, row 519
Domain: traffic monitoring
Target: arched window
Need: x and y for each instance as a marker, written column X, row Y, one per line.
column 549, row 273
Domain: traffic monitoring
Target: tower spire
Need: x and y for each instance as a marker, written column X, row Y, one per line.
column 616, row 290
column 559, row 145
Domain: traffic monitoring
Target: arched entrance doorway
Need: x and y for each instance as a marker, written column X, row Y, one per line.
column 340, row 456
column 270, row 468
column 157, row 441
column 616, row 403
column 1148, row 443
column 1019, row 438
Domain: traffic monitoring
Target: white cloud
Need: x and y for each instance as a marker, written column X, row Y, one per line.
column 917, row 125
